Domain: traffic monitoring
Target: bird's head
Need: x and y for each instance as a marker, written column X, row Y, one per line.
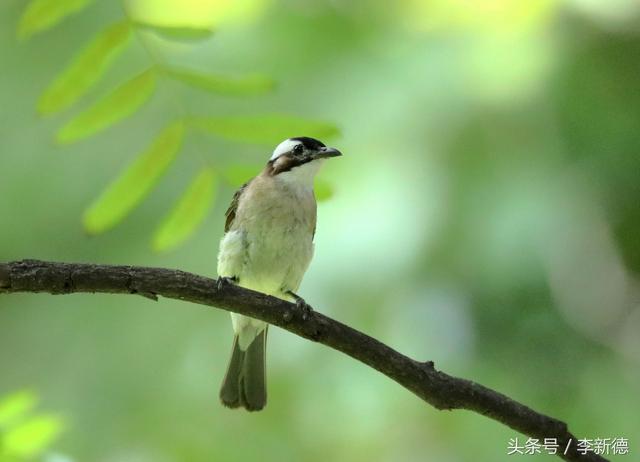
column 299, row 159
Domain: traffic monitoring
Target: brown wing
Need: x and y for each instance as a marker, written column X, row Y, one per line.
column 231, row 211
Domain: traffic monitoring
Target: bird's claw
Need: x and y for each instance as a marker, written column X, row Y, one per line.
column 305, row 308
column 224, row 281
column 302, row 306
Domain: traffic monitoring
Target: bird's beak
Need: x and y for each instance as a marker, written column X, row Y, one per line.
column 323, row 153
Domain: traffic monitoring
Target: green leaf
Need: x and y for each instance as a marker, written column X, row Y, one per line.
column 32, row 437
column 268, row 129
column 85, row 69
column 16, row 405
column 323, row 190
column 176, row 32
column 135, row 183
column 239, row 174
column 41, row 15
column 235, row 86
column 187, row 213
column 123, row 102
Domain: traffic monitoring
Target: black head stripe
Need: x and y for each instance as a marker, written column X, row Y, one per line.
column 310, row 143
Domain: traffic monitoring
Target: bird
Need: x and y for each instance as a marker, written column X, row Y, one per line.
column 267, row 247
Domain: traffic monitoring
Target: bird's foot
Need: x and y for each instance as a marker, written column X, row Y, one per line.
column 302, row 305
column 224, row 281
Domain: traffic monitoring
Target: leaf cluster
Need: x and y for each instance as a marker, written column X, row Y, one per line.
column 25, row 434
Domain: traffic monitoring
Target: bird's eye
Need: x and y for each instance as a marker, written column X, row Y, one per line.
column 298, row 149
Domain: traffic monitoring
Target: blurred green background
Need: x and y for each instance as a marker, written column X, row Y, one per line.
column 486, row 215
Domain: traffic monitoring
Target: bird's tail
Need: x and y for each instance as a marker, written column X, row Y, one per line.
column 244, row 384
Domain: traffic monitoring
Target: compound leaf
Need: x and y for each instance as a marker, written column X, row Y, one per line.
column 234, row 86
column 187, row 214
column 135, row 183
column 268, row 129
column 31, row 437
column 41, row 15
column 176, row 32
column 239, row 174
column 85, row 69
column 122, row 102
column 16, row 405
column 323, row 190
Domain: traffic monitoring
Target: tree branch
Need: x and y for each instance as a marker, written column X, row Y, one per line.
column 435, row 387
